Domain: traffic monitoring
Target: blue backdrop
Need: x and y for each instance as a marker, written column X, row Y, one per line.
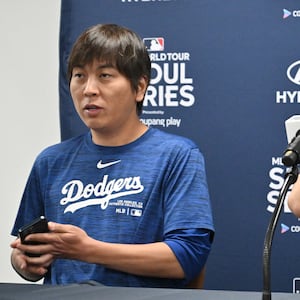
column 221, row 77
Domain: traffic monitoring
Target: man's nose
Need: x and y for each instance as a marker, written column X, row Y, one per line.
column 91, row 87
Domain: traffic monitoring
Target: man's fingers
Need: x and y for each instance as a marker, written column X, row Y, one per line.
column 59, row 228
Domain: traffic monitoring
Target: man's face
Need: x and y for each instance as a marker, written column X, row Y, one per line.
column 103, row 97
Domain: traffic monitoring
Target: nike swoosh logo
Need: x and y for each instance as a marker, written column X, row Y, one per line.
column 101, row 165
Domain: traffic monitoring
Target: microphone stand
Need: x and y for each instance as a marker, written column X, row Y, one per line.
column 290, row 178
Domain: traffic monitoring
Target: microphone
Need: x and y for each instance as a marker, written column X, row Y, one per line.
column 291, row 155
column 290, row 159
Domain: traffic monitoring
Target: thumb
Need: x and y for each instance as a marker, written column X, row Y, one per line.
column 59, row 228
column 15, row 243
column 54, row 227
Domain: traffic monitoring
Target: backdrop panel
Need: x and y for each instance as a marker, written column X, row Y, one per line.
column 220, row 78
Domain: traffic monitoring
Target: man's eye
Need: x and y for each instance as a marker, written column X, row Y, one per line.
column 78, row 75
column 105, row 75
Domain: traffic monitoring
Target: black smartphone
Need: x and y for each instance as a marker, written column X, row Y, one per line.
column 39, row 225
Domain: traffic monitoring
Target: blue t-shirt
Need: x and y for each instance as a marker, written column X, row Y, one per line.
column 135, row 194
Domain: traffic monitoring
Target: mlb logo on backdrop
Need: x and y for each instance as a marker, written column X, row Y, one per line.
column 154, row 44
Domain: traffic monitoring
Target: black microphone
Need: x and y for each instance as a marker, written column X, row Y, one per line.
column 290, row 158
column 291, row 155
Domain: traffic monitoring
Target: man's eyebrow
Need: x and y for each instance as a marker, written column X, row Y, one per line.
column 78, row 66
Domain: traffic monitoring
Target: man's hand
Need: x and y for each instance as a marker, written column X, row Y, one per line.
column 67, row 241
column 30, row 268
column 63, row 241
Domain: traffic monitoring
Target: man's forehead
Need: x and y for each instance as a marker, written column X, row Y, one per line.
column 96, row 63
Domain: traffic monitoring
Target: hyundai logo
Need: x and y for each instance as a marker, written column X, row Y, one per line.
column 293, row 72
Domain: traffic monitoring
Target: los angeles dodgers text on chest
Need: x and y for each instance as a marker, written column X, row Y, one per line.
column 78, row 195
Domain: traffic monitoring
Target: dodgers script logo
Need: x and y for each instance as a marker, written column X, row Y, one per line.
column 78, row 195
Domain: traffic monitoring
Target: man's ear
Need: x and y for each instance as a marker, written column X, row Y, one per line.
column 141, row 89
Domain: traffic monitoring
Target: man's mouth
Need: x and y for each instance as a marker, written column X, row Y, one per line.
column 91, row 107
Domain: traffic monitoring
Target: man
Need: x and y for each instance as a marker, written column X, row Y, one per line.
column 128, row 205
